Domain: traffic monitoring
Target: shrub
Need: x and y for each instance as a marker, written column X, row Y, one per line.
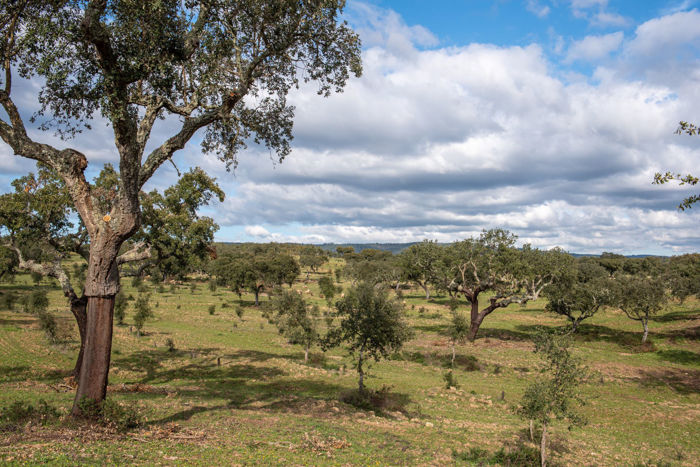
column 212, row 309
column 160, row 288
column 224, row 305
column 123, row 417
column 212, row 284
column 143, row 312
column 170, row 345
column 193, row 287
column 47, row 323
column 239, row 312
column 35, row 302
column 450, row 380
column 19, row 413
column 8, row 300
column 36, row 277
column 136, row 281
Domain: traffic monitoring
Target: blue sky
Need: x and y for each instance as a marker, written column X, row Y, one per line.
column 545, row 117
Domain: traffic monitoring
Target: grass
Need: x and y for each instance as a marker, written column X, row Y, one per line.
column 242, row 395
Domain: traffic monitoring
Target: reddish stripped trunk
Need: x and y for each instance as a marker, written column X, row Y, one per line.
column 92, row 383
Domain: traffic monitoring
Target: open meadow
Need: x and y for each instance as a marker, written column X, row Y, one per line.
column 213, row 389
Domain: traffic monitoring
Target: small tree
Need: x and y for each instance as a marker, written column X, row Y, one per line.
column 143, row 312
column 296, row 320
column 120, row 304
column 640, row 298
column 327, row 288
column 458, row 331
column 555, row 393
column 371, row 326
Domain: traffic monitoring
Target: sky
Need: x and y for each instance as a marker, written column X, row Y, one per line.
column 548, row 118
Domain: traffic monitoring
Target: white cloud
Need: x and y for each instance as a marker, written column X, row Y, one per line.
column 538, row 9
column 592, row 48
column 257, row 231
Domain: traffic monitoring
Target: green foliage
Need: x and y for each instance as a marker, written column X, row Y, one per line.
column 212, row 285
column 254, row 268
column 122, row 416
column 142, row 311
column 35, row 302
column 47, row 323
column 520, row 456
column 582, row 294
column 13, row 416
column 659, row 179
column 640, row 298
column 180, row 239
column 295, row 319
column 8, row 299
column 371, row 325
column 327, row 287
column 312, row 257
column 450, row 380
column 239, row 312
column 420, row 263
column 556, row 392
column 120, row 304
column 683, row 276
column 136, row 281
column 36, row 277
column 170, row 345
column 212, row 309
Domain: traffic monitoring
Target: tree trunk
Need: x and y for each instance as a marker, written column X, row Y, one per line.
column 532, row 430
column 574, row 325
column 92, row 383
column 453, row 354
column 257, row 296
column 476, row 319
column 101, row 285
column 543, row 446
column 78, row 308
column 645, row 323
column 361, row 383
column 424, row 285
column 306, row 354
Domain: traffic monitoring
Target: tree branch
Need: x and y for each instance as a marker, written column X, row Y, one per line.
column 52, row 269
column 138, row 252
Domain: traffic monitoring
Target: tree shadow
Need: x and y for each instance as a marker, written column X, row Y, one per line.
column 11, row 374
column 684, row 357
column 681, row 381
column 685, row 315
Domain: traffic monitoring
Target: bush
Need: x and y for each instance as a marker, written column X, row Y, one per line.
column 450, row 380
column 8, row 300
column 239, row 312
column 36, row 277
column 123, row 417
column 193, row 287
column 19, row 413
column 160, row 288
column 35, row 302
column 212, row 309
column 170, row 345
column 136, row 281
column 212, row 284
column 224, row 305
column 143, row 312
column 47, row 323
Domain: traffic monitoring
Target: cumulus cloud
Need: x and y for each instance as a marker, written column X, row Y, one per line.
column 441, row 142
column 595, row 47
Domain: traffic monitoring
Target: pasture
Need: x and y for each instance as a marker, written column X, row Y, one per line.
column 231, row 391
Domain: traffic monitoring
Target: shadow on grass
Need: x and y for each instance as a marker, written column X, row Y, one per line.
column 681, row 381
column 11, row 374
column 684, row 315
column 684, row 357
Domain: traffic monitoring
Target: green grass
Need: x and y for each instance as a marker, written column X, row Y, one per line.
column 263, row 405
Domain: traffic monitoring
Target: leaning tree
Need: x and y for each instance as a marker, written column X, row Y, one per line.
column 224, row 67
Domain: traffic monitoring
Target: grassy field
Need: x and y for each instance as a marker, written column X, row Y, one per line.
column 234, row 392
